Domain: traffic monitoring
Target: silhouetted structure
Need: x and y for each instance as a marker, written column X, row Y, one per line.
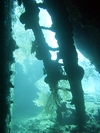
column 63, row 22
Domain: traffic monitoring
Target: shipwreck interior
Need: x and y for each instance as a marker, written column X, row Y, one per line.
column 49, row 66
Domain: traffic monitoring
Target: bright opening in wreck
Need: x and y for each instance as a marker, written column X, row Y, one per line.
column 28, row 70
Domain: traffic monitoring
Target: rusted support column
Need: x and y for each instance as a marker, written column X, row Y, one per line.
column 64, row 35
column 31, row 21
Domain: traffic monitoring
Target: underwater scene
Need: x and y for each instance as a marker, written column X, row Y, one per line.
column 44, row 105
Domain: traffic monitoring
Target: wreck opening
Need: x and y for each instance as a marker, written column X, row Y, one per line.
column 47, row 81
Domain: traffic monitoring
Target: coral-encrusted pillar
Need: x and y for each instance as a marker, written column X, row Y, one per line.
column 64, row 35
